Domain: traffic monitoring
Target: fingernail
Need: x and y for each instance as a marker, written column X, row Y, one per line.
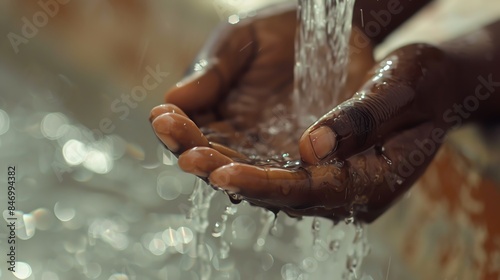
column 323, row 141
column 155, row 112
column 221, row 178
column 187, row 163
column 163, row 126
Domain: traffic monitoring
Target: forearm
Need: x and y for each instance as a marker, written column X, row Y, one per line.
column 378, row 18
column 477, row 59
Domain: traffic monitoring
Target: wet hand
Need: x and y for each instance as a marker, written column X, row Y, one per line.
column 229, row 96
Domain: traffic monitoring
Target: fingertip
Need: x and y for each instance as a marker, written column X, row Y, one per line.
column 186, row 163
column 305, row 149
column 162, row 126
column 163, row 109
column 317, row 144
column 221, row 178
column 163, row 123
column 201, row 161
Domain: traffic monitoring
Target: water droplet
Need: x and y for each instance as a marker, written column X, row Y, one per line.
column 320, row 250
column 224, row 249
column 267, row 219
column 309, row 265
column 388, row 160
column 334, row 245
column 261, row 242
column 290, row 271
column 352, row 263
column 218, row 229
column 274, row 228
column 358, row 236
column 235, row 198
column 350, row 219
column 231, row 210
column 200, row 65
column 233, row 19
column 316, row 225
column 266, row 261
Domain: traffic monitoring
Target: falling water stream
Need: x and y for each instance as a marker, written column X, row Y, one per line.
column 321, row 56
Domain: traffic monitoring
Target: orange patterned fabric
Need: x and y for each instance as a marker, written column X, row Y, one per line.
column 448, row 226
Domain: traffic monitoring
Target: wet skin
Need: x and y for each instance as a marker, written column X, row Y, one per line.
column 356, row 160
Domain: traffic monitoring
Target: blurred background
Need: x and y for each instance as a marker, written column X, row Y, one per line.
column 99, row 198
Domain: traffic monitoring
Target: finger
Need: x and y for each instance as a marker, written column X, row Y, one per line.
column 383, row 106
column 219, row 64
column 178, row 132
column 254, row 183
column 227, row 151
column 163, row 109
column 319, row 186
column 201, row 161
column 197, row 92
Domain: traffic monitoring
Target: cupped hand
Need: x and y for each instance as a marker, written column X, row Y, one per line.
column 241, row 83
column 355, row 161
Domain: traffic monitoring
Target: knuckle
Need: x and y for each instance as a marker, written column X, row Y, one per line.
column 362, row 121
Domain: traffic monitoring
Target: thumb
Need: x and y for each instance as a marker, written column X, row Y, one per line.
column 368, row 118
column 356, row 125
column 219, row 64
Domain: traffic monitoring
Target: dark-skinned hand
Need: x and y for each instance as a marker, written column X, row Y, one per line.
column 354, row 161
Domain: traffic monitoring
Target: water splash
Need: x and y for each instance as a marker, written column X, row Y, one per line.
column 200, row 198
column 267, row 219
column 316, row 226
column 220, row 228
